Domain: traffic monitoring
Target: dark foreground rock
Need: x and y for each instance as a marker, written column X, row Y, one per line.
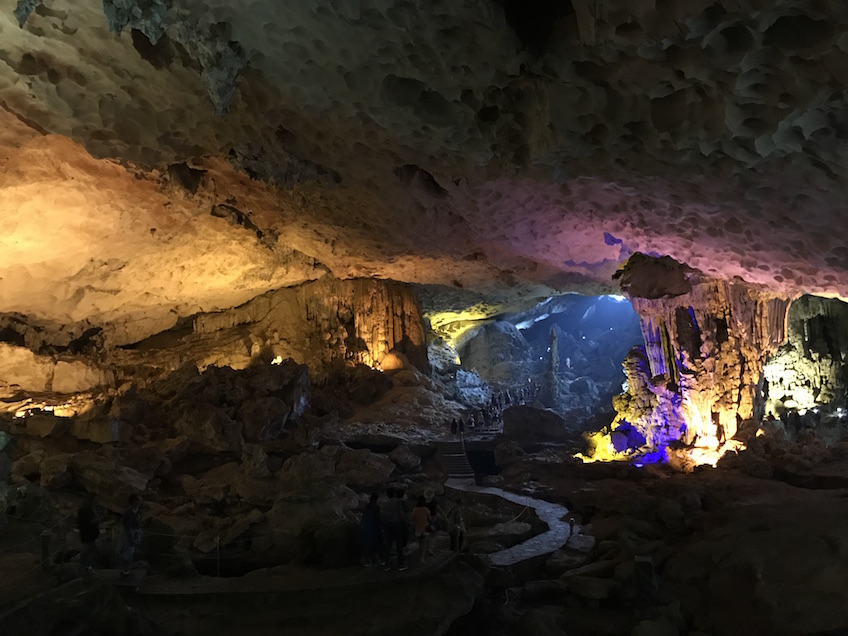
column 77, row 607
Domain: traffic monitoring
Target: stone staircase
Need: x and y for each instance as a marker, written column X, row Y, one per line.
column 454, row 460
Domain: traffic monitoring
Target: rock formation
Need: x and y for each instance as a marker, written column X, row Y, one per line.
column 700, row 373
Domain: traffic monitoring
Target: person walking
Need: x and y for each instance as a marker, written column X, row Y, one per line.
column 456, row 526
column 370, row 532
column 88, row 525
column 421, row 524
column 130, row 535
column 394, row 516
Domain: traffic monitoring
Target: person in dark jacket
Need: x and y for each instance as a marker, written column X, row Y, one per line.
column 370, row 533
column 130, row 535
column 88, row 524
column 395, row 524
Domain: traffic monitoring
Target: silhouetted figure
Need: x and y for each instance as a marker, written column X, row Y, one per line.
column 456, row 526
column 88, row 524
column 454, row 426
column 421, row 524
column 370, row 532
column 131, row 534
column 394, row 523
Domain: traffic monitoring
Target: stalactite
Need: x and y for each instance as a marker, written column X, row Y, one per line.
column 705, row 348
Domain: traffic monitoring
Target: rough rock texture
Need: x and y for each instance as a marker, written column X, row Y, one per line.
column 705, row 345
column 810, row 369
column 530, row 149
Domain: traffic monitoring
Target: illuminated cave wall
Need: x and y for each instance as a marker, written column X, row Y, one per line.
column 810, row 369
column 358, row 320
column 706, row 342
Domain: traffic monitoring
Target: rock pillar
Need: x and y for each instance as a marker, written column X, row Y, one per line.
column 705, row 344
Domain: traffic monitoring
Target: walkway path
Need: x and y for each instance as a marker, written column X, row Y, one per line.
column 551, row 513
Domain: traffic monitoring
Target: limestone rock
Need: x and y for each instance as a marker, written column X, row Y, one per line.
column 107, row 479
column 405, row 459
column 208, row 427
column 508, row 534
column 264, row 418
column 561, row 561
column 363, row 469
column 101, row 430
column 540, row 622
column 47, row 425
column 303, row 469
column 55, row 471
column 27, row 466
column 591, row 587
column 580, row 543
column 254, row 461
column 528, row 424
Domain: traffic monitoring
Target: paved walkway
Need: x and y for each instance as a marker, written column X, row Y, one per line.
column 551, row 513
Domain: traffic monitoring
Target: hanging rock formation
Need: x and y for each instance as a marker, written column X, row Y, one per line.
column 699, row 375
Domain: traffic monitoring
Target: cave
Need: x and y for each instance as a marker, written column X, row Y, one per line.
column 396, row 317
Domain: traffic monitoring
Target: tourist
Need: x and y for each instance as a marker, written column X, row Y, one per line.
column 131, row 535
column 421, row 526
column 435, row 516
column 456, row 525
column 394, row 516
column 454, row 426
column 88, row 524
column 369, row 532
column 461, row 427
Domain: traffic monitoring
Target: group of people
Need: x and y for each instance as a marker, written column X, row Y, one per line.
column 490, row 416
column 386, row 526
column 88, row 525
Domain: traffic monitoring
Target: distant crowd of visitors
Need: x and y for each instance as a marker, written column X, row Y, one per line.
column 386, row 527
column 490, row 416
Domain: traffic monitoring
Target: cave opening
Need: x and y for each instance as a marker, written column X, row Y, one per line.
column 591, row 334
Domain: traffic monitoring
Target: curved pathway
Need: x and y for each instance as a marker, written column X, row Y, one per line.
column 558, row 529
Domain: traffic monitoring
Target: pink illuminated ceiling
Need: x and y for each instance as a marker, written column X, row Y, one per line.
column 433, row 144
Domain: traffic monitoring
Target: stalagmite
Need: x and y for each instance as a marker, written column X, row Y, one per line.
column 706, row 341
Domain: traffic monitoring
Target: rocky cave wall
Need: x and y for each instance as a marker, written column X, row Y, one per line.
column 810, row 369
column 358, row 321
column 318, row 323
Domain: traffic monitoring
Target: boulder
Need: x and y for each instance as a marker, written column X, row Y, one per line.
column 77, row 607
column 27, row 466
column 209, row 428
column 528, row 424
column 47, row 425
column 363, row 469
column 542, row 621
column 297, row 515
column 302, row 469
column 110, row 482
column 580, row 543
column 508, row 452
column 254, row 461
column 264, row 419
column 508, row 534
column 562, row 561
column 55, row 471
column 596, row 568
column 590, row 587
column 77, row 376
column 405, row 459
column 544, row 591
column 101, row 430
column 222, row 536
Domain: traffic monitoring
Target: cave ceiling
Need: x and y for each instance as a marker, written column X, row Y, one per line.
column 158, row 158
